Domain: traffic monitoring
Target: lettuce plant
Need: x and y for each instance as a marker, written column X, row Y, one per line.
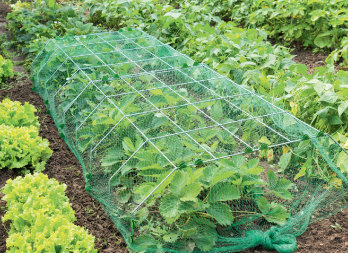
column 15, row 114
column 6, row 70
column 23, row 147
column 42, row 218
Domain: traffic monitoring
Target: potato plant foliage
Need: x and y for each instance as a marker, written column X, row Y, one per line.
column 197, row 28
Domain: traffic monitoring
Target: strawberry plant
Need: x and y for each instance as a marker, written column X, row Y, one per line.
column 199, row 202
column 182, row 157
column 42, row 218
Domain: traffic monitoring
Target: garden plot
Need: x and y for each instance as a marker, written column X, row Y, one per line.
column 183, row 158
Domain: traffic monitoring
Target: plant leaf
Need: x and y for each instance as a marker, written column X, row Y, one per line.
column 191, row 192
column 222, row 213
column 223, row 191
column 169, row 206
column 284, row 161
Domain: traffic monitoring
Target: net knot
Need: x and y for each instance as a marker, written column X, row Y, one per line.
column 274, row 240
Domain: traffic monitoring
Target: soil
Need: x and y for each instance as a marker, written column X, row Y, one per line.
column 307, row 57
column 323, row 236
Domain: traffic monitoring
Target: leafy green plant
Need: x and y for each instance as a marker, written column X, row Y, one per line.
column 6, row 70
column 22, row 147
column 42, row 218
column 340, row 54
column 196, row 203
column 31, row 25
column 242, row 54
column 174, row 178
column 319, row 23
column 13, row 113
column 320, row 98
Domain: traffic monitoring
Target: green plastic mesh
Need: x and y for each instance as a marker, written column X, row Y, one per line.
column 182, row 158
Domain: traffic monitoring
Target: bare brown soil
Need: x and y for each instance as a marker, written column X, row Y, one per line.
column 310, row 59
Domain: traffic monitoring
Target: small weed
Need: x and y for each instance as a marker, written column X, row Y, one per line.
column 336, row 226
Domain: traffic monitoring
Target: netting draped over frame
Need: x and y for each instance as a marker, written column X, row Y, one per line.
column 182, row 158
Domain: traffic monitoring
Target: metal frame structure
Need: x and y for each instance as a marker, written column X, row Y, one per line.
column 126, row 57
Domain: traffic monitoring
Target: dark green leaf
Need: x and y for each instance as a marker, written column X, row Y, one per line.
column 223, row 191
column 222, row 213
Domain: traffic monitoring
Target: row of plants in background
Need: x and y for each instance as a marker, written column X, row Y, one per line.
column 21, row 147
column 318, row 24
column 244, row 55
column 42, row 218
column 32, row 24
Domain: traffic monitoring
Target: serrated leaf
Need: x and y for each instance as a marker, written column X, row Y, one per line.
column 169, row 206
column 206, row 235
column 274, row 212
column 123, row 195
column 272, row 179
column 223, row 191
column 278, row 214
column 128, row 144
column 171, row 237
column 279, row 187
column 112, row 156
column 178, row 183
column 222, row 213
column 263, row 204
column 191, row 192
column 284, row 161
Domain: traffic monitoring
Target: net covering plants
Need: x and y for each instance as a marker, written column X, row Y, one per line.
column 182, row 158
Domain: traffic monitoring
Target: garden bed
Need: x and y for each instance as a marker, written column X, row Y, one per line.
column 319, row 237
column 63, row 166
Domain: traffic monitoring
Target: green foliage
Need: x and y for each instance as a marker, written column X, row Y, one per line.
column 340, row 54
column 314, row 23
column 197, row 29
column 6, row 70
column 42, row 218
column 242, row 54
column 13, row 113
column 23, row 147
column 320, row 98
column 200, row 201
column 318, row 23
column 31, row 25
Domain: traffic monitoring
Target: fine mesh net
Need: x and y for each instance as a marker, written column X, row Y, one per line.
column 182, row 158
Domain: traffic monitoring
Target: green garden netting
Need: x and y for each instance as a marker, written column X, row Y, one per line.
column 182, row 158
